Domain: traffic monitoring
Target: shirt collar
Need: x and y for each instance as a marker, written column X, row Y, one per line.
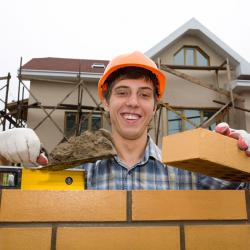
column 152, row 150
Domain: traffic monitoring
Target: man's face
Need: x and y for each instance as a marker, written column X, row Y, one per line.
column 131, row 106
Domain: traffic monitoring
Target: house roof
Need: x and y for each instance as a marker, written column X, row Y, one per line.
column 195, row 28
column 65, row 64
column 63, row 67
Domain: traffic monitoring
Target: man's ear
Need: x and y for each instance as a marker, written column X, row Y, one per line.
column 105, row 104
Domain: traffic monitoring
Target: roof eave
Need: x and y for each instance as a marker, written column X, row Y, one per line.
column 29, row 74
column 239, row 86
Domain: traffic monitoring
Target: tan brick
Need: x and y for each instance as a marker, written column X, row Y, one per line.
column 20, row 205
column 206, row 152
column 217, row 237
column 113, row 238
column 25, row 238
column 189, row 205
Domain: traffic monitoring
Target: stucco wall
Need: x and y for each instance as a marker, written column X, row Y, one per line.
column 180, row 92
column 246, row 95
column 51, row 94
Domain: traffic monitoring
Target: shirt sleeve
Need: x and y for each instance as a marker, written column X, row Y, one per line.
column 206, row 182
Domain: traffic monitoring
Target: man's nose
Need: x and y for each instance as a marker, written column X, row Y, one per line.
column 132, row 100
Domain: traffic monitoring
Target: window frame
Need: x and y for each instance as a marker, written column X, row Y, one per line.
column 195, row 49
column 89, row 122
column 183, row 122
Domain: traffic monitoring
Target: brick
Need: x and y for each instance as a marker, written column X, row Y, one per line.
column 206, row 152
column 217, row 237
column 189, row 205
column 25, row 238
column 20, row 205
column 113, row 238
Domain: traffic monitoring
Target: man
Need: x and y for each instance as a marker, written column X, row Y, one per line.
column 129, row 89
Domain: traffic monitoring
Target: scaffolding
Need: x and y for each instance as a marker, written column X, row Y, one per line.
column 17, row 115
column 223, row 111
column 7, row 118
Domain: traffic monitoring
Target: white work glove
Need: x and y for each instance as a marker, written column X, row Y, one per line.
column 241, row 135
column 21, row 145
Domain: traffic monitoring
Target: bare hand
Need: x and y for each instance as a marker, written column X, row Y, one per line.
column 241, row 135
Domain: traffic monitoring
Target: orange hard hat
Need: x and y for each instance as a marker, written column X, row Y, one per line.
column 135, row 59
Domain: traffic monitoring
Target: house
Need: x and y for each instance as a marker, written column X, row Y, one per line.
column 204, row 76
column 51, row 79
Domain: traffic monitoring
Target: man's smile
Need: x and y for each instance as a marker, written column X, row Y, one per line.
column 131, row 116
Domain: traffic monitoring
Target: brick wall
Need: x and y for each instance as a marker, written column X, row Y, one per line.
column 155, row 220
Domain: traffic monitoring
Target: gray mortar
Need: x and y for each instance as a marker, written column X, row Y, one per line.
column 88, row 147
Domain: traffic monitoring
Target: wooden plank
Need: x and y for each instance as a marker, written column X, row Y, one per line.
column 3, row 77
column 236, row 107
column 208, row 122
column 183, row 117
column 187, row 67
column 229, row 81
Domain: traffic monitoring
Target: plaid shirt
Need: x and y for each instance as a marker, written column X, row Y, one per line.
column 149, row 173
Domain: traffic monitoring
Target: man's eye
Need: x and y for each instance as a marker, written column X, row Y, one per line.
column 121, row 92
column 146, row 94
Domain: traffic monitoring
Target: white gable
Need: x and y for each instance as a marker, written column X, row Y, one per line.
column 194, row 27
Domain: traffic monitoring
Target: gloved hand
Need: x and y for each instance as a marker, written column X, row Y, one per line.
column 241, row 135
column 21, row 145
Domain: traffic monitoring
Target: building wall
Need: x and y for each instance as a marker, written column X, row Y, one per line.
column 51, row 94
column 184, row 94
column 246, row 115
column 180, row 92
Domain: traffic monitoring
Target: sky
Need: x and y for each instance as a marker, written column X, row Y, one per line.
column 102, row 29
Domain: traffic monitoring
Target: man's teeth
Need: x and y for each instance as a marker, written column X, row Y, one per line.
column 131, row 117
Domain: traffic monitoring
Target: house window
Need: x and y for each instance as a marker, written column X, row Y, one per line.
column 191, row 56
column 98, row 65
column 196, row 116
column 89, row 121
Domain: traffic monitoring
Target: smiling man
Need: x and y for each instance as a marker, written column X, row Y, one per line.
column 129, row 89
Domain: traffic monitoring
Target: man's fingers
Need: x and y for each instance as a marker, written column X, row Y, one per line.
column 42, row 159
column 222, row 128
column 34, row 147
column 242, row 144
column 20, row 145
column 241, row 136
column 234, row 134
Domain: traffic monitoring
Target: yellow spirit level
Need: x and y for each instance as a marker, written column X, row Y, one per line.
column 52, row 180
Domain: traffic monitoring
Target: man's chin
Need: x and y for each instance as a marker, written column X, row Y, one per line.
column 129, row 135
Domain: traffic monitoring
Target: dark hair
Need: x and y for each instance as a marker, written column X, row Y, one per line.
column 131, row 73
